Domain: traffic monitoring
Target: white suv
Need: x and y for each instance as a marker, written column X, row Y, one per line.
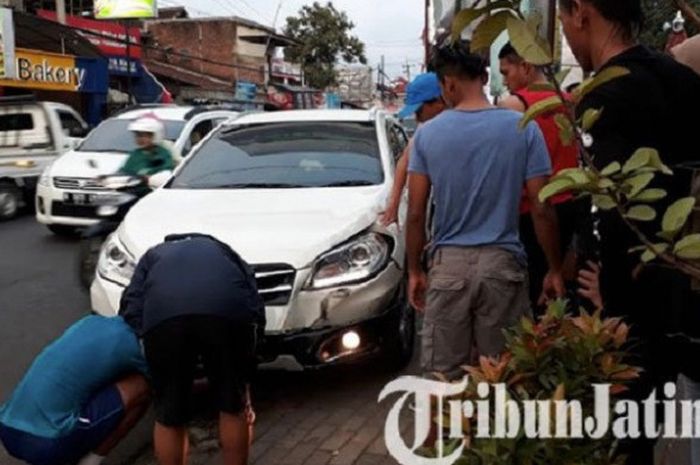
column 297, row 194
column 67, row 188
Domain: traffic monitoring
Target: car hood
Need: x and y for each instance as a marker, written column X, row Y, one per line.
column 88, row 164
column 292, row 226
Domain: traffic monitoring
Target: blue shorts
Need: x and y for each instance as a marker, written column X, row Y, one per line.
column 98, row 419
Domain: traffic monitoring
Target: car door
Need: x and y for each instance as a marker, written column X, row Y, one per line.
column 73, row 128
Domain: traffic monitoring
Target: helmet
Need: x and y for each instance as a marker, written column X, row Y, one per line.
column 151, row 125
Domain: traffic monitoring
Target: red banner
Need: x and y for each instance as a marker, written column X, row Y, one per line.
column 110, row 37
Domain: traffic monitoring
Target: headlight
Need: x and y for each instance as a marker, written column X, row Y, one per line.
column 355, row 261
column 115, row 262
column 45, row 179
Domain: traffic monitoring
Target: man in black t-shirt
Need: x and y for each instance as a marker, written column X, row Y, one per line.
column 192, row 298
column 647, row 108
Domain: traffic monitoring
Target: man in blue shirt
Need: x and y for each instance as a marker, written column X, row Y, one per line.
column 193, row 298
column 476, row 160
column 80, row 397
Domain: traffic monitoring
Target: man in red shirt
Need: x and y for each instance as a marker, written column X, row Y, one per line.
column 519, row 76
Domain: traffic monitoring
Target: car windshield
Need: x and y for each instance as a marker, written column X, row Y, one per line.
column 286, row 155
column 113, row 136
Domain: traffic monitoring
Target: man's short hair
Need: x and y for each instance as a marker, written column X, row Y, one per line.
column 508, row 52
column 455, row 59
column 628, row 14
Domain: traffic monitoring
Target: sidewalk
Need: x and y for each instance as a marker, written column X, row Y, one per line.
column 329, row 417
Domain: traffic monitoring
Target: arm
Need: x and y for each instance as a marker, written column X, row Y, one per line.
column 512, row 102
column 546, row 226
column 418, row 193
column 390, row 216
column 133, row 298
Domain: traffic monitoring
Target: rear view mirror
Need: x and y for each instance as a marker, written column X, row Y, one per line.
column 159, row 179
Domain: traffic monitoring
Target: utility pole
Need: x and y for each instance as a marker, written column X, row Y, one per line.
column 407, row 68
column 426, row 35
column 381, row 78
column 61, row 11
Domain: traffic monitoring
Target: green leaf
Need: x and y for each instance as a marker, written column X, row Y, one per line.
column 468, row 15
column 529, row 45
column 541, row 87
column 650, row 195
column 650, row 255
column 590, row 117
column 606, row 183
column 604, row 202
column 688, row 247
column 488, row 30
column 555, row 187
column 463, row 19
column 641, row 213
column 578, row 175
column 608, row 74
column 566, row 130
column 611, row 169
column 637, row 184
column 640, row 159
column 677, row 215
column 658, row 164
column 540, row 108
column 562, row 75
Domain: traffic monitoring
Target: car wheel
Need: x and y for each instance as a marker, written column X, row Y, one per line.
column 62, row 230
column 9, row 202
column 88, row 257
column 400, row 347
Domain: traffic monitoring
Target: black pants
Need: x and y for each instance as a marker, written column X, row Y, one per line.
column 537, row 261
column 175, row 347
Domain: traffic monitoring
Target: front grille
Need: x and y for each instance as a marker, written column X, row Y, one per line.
column 275, row 282
column 73, row 211
column 89, row 184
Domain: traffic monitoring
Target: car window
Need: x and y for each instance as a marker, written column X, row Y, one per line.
column 113, row 136
column 16, row 122
column 71, row 124
column 198, row 133
column 298, row 154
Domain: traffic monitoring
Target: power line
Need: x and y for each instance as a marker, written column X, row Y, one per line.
column 256, row 11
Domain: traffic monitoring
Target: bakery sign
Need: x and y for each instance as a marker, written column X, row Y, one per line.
column 45, row 71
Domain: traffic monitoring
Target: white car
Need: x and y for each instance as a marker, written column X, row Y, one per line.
column 297, row 194
column 65, row 198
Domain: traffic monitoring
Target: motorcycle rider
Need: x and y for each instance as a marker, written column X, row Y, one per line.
column 151, row 156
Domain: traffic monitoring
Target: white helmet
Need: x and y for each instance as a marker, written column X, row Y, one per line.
column 151, row 125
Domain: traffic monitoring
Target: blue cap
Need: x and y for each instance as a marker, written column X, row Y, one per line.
column 424, row 88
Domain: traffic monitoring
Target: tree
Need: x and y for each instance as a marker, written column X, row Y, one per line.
column 658, row 12
column 323, row 37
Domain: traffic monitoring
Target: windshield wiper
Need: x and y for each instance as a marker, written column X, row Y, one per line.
column 349, row 184
column 257, row 185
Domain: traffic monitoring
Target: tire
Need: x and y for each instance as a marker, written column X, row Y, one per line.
column 399, row 349
column 88, row 256
column 10, row 200
column 62, row 230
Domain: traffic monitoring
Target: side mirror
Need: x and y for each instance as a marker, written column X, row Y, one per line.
column 159, row 179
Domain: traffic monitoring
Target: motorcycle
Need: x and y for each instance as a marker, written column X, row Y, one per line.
column 111, row 208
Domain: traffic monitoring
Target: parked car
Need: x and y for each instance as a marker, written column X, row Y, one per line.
column 297, row 194
column 67, row 189
column 32, row 135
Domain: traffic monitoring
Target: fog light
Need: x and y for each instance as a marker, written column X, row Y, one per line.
column 351, row 340
column 107, row 210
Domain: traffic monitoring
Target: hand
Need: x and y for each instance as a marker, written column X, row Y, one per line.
column 552, row 287
column 589, row 280
column 417, row 288
column 390, row 215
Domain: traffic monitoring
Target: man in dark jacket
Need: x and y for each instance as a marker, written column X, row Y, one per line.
column 194, row 298
column 642, row 109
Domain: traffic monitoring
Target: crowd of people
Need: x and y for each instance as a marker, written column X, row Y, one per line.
column 482, row 252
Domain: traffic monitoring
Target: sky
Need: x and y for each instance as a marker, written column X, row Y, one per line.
column 391, row 28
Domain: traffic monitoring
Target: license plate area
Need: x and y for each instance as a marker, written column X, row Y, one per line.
column 73, row 198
